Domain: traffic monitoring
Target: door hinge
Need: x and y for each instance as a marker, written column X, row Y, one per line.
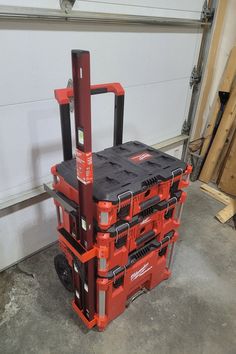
column 66, row 5
column 195, row 77
column 207, row 13
column 186, row 128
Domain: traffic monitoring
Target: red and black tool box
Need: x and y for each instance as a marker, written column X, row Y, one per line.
column 128, row 179
column 118, row 209
column 145, row 269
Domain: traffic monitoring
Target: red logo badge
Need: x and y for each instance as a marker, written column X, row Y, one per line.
column 141, row 157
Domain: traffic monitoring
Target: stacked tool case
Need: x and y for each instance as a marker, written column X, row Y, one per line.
column 118, row 209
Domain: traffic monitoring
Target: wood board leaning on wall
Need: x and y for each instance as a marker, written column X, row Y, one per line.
column 220, row 131
column 218, row 150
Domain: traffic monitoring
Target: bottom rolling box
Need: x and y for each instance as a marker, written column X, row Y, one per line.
column 147, row 267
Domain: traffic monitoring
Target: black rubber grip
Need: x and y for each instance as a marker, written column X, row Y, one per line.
column 172, row 201
column 146, row 237
column 149, row 203
column 98, row 91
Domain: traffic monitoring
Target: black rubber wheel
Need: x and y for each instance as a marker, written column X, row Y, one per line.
column 64, row 271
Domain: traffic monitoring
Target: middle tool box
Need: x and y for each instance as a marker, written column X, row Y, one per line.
column 116, row 243
column 117, row 209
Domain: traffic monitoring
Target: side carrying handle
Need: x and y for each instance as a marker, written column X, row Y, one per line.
column 64, row 96
column 144, row 238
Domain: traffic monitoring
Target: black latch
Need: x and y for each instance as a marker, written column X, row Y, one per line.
column 121, row 241
column 169, row 213
column 162, row 252
column 118, row 282
column 124, row 211
column 174, row 188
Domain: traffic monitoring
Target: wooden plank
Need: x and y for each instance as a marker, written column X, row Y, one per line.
column 228, row 212
column 225, row 86
column 221, row 197
column 228, row 179
column 209, row 70
column 229, row 72
column 220, row 138
column 210, row 126
column 219, row 169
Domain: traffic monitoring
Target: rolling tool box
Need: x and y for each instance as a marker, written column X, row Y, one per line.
column 118, row 209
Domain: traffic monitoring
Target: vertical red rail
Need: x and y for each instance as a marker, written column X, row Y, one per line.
column 82, row 108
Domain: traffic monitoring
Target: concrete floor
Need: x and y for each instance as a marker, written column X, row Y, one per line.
column 193, row 312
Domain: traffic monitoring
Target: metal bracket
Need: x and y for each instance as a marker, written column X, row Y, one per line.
column 207, row 13
column 195, row 77
column 67, row 5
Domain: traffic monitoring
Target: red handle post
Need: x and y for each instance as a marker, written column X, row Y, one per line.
column 82, row 106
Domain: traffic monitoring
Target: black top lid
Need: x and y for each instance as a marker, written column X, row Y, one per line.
column 132, row 166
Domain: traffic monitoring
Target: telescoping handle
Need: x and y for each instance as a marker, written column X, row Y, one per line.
column 64, row 96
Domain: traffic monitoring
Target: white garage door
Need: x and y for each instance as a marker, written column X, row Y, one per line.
column 152, row 63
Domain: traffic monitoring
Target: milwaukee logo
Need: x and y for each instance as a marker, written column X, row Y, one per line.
column 140, row 157
column 140, row 272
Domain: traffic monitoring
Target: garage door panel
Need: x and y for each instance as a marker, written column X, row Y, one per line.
column 163, row 8
column 33, row 63
column 155, row 112
column 173, row 8
column 30, row 144
column 30, row 135
column 26, row 231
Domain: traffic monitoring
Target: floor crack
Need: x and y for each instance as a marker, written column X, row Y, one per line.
column 26, row 273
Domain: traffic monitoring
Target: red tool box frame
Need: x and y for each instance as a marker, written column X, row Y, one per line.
column 84, row 273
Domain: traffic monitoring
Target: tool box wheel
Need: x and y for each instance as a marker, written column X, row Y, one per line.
column 64, row 271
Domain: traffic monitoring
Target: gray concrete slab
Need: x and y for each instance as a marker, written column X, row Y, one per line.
column 194, row 312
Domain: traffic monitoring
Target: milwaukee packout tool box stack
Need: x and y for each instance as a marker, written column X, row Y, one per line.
column 118, row 209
